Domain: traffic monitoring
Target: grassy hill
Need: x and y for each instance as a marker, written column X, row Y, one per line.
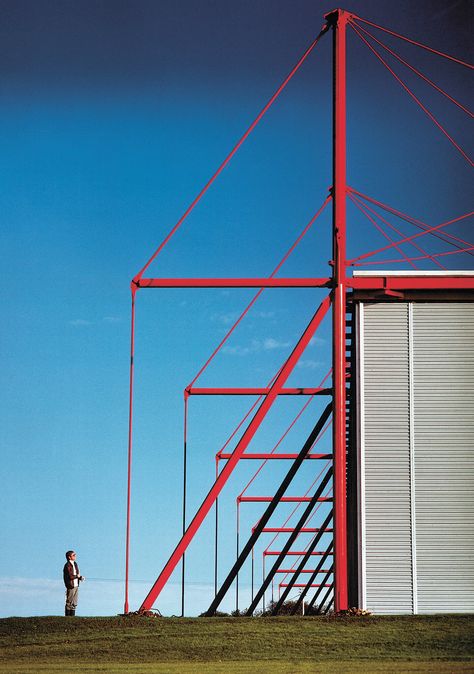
column 236, row 645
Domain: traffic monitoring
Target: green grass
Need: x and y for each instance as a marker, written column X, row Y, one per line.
column 282, row 645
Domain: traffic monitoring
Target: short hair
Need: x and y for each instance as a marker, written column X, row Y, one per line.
column 69, row 553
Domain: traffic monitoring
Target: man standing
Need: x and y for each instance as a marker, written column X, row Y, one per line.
column 72, row 578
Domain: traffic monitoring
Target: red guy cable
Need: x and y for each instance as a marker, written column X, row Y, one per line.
column 275, row 447
column 325, row 467
column 443, row 236
column 267, row 551
column 259, row 292
column 417, row 72
column 415, row 98
column 421, row 257
column 240, row 424
column 373, row 222
column 292, row 568
column 232, row 152
column 395, row 229
column 414, row 236
column 367, row 210
column 417, row 44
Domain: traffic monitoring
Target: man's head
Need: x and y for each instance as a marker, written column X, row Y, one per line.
column 70, row 555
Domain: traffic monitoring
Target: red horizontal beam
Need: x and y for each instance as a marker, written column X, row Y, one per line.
column 289, row 530
column 302, row 571
column 303, row 585
column 297, row 553
column 233, row 283
column 438, row 282
column 411, row 282
column 275, row 456
column 257, row 391
column 284, row 499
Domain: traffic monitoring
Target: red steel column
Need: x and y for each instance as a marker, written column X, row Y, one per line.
column 339, row 310
column 130, row 437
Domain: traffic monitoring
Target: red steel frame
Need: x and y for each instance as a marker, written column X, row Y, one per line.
column 236, row 455
column 339, row 283
column 341, row 598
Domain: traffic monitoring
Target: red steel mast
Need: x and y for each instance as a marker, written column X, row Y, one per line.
column 339, row 18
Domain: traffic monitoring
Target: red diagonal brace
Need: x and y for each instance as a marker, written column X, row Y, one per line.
column 243, row 443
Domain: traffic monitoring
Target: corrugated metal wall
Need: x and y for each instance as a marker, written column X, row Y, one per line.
column 443, row 347
column 416, row 457
column 388, row 576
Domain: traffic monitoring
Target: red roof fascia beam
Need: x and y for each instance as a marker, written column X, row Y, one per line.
column 384, row 282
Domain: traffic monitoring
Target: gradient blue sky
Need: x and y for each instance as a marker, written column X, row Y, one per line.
column 113, row 114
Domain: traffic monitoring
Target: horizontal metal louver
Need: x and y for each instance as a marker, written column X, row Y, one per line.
column 388, row 573
column 443, row 358
column 416, row 459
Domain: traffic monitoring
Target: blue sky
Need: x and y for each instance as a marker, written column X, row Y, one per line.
column 112, row 117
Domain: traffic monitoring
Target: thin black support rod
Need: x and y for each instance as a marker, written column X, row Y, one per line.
column 279, row 560
column 253, row 570
column 312, row 578
column 302, row 563
column 270, row 510
column 324, row 599
column 320, row 589
column 328, row 605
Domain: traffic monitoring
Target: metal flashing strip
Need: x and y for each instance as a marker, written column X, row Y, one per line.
column 361, row 459
column 411, row 413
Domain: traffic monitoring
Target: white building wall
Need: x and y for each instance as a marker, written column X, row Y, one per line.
column 416, row 457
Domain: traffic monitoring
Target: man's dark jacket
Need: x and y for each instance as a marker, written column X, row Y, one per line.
column 70, row 573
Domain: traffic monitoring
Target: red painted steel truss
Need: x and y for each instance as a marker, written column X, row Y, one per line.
column 328, row 487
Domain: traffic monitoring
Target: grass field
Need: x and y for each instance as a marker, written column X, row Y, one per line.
column 283, row 645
